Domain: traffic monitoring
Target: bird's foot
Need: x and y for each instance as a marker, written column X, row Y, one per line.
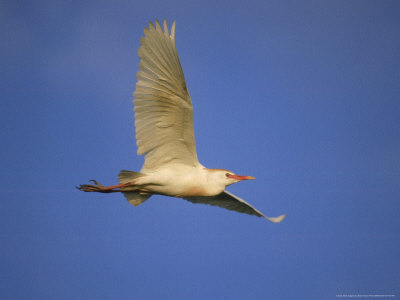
column 97, row 187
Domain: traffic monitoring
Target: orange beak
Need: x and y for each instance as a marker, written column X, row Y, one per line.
column 240, row 177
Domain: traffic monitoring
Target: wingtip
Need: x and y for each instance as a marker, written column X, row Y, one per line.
column 151, row 26
column 158, row 26
column 276, row 219
column 166, row 30
column 173, row 29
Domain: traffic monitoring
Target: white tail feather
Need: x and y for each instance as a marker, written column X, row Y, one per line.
column 126, row 176
column 134, row 198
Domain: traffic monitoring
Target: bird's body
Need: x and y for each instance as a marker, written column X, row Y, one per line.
column 180, row 181
column 164, row 133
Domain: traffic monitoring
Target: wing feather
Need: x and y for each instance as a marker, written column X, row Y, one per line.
column 232, row 202
column 163, row 108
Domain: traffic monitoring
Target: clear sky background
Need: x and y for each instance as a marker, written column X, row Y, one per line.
column 303, row 95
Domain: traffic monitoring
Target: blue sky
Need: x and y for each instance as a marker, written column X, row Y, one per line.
column 303, row 95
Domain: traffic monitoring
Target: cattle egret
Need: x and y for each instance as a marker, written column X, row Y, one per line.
column 164, row 134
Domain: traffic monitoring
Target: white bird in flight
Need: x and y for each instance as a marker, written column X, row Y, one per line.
column 164, row 133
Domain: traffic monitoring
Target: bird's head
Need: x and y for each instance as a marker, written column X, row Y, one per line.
column 226, row 177
column 233, row 178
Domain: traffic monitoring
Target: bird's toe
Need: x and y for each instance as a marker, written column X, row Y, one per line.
column 96, row 183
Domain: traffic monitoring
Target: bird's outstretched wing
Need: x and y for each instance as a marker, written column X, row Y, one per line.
column 230, row 201
column 163, row 109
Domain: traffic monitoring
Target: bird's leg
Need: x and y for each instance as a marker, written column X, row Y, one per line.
column 97, row 187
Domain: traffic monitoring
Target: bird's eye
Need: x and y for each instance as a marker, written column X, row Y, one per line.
column 227, row 174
